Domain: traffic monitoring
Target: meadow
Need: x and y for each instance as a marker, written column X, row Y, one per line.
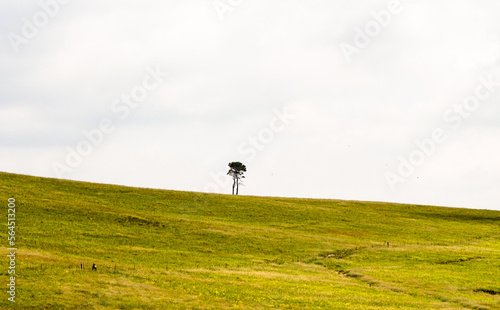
column 162, row 249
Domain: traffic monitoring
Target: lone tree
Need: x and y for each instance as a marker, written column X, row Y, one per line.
column 236, row 170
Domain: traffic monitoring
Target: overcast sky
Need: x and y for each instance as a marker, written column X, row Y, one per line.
column 363, row 100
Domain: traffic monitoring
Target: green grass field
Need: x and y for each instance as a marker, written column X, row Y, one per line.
column 159, row 249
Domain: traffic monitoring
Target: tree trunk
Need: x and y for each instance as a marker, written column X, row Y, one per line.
column 234, row 183
column 237, row 185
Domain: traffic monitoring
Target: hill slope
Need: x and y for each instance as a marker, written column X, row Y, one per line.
column 158, row 249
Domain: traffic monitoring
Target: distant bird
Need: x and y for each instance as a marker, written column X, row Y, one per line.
column 94, row 267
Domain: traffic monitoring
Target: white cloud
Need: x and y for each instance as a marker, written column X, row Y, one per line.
column 226, row 77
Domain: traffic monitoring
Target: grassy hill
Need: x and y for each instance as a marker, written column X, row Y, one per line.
column 159, row 249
